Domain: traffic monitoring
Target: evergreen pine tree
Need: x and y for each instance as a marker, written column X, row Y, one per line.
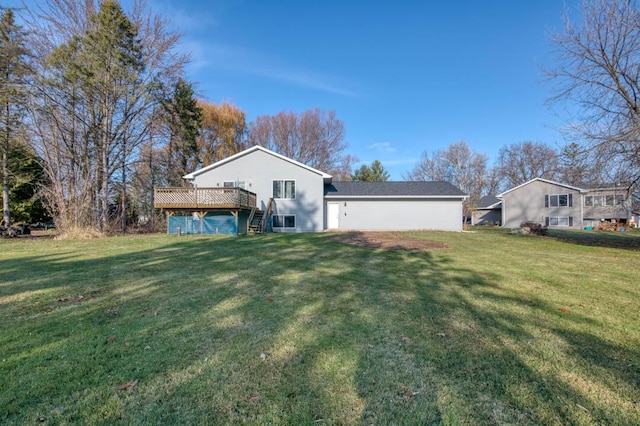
column 14, row 70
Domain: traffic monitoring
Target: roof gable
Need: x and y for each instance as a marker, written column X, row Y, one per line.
column 412, row 189
column 489, row 202
column 541, row 180
column 248, row 151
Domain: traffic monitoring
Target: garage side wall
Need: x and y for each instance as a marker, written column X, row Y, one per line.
column 398, row 214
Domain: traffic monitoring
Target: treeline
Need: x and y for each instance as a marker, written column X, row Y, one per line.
column 96, row 112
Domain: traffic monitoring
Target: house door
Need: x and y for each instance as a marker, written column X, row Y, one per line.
column 333, row 216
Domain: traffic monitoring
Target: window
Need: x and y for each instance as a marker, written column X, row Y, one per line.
column 558, row 200
column 559, row 221
column 284, row 189
column 588, row 200
column 608, row 201
column 233, row 184
column 597, row 200
column 619, row 200
column 284, row 221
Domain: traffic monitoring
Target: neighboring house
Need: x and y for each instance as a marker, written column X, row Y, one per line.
column 260, row 190
column 555, row 204
column 488, row 211
column 606, row 203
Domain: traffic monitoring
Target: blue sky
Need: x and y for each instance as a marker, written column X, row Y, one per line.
column 404, row 76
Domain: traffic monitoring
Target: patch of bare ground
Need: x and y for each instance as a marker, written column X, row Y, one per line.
column 387, row 240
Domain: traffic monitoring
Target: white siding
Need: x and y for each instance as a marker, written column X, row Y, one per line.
column 400, row 214
column 258, row 169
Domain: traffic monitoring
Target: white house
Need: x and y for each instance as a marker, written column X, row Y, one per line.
column 260, row 190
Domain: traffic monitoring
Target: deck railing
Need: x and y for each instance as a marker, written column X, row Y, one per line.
column 203, row 198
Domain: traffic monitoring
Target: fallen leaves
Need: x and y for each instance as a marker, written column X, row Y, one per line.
column 129, row 385
column 582, row 408
column 270, row 299
column 262, row 357
column 113, row 311
column 405, row 391
column 111, row 338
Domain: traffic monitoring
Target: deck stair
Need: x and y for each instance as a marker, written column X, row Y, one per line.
column 256, row 224
column 258, row 219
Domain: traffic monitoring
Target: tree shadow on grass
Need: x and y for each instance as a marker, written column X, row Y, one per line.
column 349, row 335
column 609, row 239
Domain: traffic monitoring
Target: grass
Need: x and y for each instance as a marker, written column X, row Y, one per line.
column 299, row 329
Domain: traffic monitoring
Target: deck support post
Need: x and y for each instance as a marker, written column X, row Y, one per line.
column 201, row 216
column 235, row 214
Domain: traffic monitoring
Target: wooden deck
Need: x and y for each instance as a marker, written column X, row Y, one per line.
column 203, row 199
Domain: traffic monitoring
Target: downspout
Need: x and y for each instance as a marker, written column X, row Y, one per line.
column 581, row 210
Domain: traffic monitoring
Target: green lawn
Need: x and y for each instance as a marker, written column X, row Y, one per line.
column 299, row 329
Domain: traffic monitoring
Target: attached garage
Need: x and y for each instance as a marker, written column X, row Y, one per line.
column 385, row 206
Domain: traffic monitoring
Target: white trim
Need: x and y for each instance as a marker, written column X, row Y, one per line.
column 542, row 180
column 295, row 188
column 558, row 220
column 295, row 221
column 453, row 197
column 337, row 204
column 192, row 175
column 558, row 200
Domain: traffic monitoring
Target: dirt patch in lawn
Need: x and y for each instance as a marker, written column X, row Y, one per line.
column 387, row 241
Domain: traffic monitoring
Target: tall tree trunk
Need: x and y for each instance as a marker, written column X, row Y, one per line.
column 6, row 212
column 123, row 201
column 152, row 213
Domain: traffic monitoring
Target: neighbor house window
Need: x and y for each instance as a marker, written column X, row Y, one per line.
column 588, row 200
column 619, row 200
column 283, row 221
column 608, row 200
column 559, row 221
column 284, row 189
column 597, row 200
column 558, row 200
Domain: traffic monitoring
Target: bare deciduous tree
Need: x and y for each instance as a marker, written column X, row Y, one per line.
column 598, row 67
column 459, row 165
column 314, row 137
column 520, row 162
column 92, row 101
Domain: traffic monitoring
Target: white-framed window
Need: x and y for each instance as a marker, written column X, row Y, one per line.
column 233, row 184
column 588, row 200
column 284, row 189
column 283, row 221
column 619, row 200
column 559, row 221
column 558, row 200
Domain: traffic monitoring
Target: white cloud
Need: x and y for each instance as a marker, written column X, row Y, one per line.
column 382, row 147
column 262, row 65
column 398, row 162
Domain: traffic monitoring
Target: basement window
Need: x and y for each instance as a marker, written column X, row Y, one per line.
column 559, row 221
column 284, row 220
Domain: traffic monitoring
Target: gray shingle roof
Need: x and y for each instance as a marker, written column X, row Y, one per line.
column 487, row 201
column 390, row 189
